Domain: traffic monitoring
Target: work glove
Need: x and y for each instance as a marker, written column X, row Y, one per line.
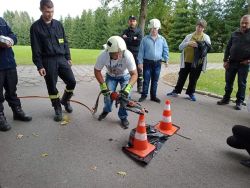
column 104, row 89
column 125, row 91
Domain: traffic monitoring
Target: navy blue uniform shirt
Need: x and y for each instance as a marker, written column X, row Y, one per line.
column 7, row 60
column 48, row 40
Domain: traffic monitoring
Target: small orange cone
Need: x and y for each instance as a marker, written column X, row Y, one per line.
column 165, row 126
column 141, row 146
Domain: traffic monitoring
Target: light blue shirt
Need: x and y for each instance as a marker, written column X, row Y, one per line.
column 153, row 49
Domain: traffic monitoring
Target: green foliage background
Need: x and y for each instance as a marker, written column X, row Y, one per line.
column 178, row 17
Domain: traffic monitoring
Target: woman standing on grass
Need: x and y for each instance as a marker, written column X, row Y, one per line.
column 193, row 59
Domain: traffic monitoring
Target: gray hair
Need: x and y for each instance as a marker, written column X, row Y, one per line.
column 246, row 16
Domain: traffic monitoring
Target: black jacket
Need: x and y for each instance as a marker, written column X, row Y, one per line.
column 238, row 47
column 48, row 41
column 7, row 60
column 200, row 52
column 132, row 44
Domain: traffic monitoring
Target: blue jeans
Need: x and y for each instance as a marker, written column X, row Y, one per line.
column 112, row 83
column 151, row 71
column 242, row 72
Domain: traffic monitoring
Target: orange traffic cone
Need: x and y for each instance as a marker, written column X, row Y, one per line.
column 165, row 126
column 141, row 146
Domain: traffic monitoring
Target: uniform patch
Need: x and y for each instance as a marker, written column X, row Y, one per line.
column 61, row 41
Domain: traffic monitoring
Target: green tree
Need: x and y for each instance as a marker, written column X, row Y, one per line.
column 102, row 27
column 20, row 23
column 68, row 28
column 182, row 25
column 212, row 12
column 76, row 35
column 233, row 11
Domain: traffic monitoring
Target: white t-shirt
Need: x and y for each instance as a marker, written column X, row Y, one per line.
column 116, row 68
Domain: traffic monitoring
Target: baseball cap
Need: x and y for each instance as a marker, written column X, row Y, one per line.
column 132, row 17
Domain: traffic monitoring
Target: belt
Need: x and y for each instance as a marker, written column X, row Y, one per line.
column 151, row 61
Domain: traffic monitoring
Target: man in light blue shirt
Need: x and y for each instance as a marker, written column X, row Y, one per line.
column 153, row 51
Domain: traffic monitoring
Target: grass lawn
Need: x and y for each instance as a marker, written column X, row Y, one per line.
column 88, row 56
column 79, row 56
column 214, row 81
column 212, row 57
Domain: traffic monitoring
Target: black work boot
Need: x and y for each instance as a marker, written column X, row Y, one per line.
column 58, row 109
column 65, row 101
column 18, row 114
column 102, row 115
column 223, row 101
column 124, row 123
column 4, row 126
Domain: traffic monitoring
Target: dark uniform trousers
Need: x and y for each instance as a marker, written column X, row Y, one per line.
column 58, row 66
column 194, row 74
column 242, row 72
column 8, row 82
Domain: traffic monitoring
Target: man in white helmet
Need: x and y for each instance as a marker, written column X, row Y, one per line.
column 121, row 69
column 153, row 51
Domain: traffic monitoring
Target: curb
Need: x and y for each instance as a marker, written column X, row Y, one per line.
column 209, row 94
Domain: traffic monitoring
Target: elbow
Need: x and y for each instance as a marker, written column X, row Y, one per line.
column 134, row 74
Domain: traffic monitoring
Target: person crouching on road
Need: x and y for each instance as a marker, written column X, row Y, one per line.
column 121, row 69
column 51, row 55
column 8, row 77
column 240, row 140
column 153, row 49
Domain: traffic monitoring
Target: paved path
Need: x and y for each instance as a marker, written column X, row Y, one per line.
column 87, row 153
column 28, row 75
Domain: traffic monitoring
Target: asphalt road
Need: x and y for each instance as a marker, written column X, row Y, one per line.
column 87, row 153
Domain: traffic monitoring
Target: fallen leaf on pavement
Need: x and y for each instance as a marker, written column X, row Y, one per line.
column 45, row 155
column 19, row 136
column 34, row 134
column 93, row 168
column 65, row 120
column 121, row 173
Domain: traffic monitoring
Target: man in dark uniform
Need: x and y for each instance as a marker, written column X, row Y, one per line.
column 133, row 36
column 8, row 77
column 236, row 61
column 51, row 55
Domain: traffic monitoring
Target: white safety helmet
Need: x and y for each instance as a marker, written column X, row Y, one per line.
column 154, row 23
column 115, row 44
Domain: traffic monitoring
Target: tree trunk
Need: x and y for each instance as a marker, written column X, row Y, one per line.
column 143, row 14
column 248, row 6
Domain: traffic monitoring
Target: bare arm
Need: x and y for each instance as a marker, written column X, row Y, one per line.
column 98, row 75
column 133, row 78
